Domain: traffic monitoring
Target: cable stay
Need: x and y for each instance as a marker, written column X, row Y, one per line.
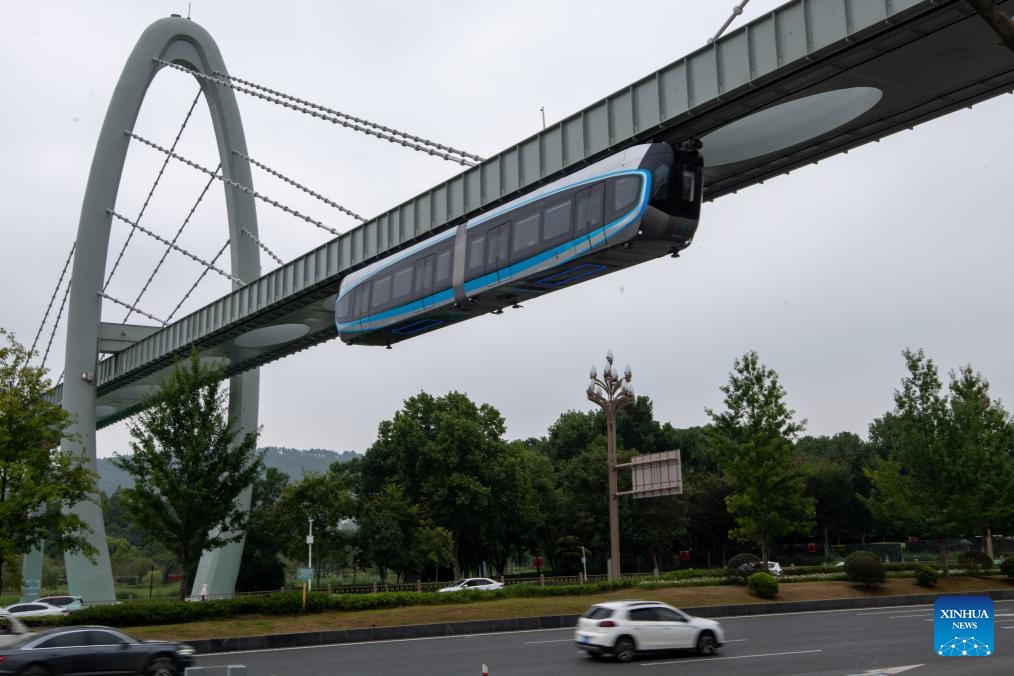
column 736, row 11
column 168, row 248
column 49, row 307
column 194, row 285
column 234, row 184
column 151, row 192
column 56, row 323
column 352, row 118
column 131, row 307
column 328, row 116
column 262, row 245
column 298, row 185
column 172, row 246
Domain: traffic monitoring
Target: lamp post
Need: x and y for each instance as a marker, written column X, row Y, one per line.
column 309, row 554
column 612, row 392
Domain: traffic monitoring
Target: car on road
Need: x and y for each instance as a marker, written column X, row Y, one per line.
column 774, row 567
column 34, row 609
column 92, row 650
column 625, row 628
column 473, row 584
column 68, row 601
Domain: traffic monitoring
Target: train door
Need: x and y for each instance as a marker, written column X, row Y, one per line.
column 588, row 215
column 498, row 239
column 422, row 285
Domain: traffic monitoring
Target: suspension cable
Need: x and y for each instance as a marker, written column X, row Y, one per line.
column 151, row 192
column 262, row 245
column 352, row 118
column 172, row 246
column 49, row 307
column 298, row 185
column 736, row 11
column 165, row 253
column 323, row 116
column 234, row 184
column 127, row 305
column 56, row 323
column 194, row 285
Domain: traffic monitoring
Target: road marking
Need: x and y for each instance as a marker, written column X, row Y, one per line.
column 732, row 657
column 907, row 617
column 555, row 640
column 886, row 671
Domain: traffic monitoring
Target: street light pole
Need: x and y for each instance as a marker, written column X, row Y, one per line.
column 612, row 392
column 309, row 554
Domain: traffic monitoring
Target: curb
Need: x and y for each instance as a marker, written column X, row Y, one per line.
column 338, row 636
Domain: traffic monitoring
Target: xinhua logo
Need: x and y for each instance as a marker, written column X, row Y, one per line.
column 963, row 626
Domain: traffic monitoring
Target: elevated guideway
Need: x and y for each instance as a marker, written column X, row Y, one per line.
column 811, row 79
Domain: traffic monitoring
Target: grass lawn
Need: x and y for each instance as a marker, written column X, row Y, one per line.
column 529, row 607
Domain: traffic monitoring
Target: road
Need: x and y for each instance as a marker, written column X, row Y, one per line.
column 835, row 643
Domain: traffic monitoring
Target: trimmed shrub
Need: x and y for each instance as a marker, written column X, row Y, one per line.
column 865, row 568
column 975, row 562
column 741, row 566
column 763, row 585
column 926, row 576
column 1007, row 567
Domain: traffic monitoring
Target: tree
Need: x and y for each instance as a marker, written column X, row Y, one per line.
column 947, row 464
column 752, row 442
column 189, row 465
column 261, row 569
column 447, row 455
column 37, row 481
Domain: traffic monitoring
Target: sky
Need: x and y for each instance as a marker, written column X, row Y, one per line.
column 829, row 273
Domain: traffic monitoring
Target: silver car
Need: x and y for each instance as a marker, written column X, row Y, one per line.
column 625, row 628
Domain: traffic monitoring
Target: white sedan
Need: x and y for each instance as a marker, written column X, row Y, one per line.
column 33, row 609
column 473, row 584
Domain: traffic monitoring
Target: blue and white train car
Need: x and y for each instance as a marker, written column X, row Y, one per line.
column 637, row 205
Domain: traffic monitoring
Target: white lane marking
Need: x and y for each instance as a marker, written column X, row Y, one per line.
column 555, row 640
column 731, row 657
column 906, row 617
column 886, row 671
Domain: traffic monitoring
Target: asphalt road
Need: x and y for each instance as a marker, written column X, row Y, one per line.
column 835, row 643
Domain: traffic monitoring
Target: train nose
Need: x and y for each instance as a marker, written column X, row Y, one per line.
column 658, row 225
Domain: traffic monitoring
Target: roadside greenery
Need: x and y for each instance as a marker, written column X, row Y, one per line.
column 38, row 482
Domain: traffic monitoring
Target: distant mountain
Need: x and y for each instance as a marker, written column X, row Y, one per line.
column 294, row 462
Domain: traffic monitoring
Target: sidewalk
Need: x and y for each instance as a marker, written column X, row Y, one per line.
column 241, row 643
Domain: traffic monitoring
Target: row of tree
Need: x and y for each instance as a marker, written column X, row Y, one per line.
column 442, row 491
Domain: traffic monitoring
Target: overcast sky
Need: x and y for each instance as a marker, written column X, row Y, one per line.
column 829, row 273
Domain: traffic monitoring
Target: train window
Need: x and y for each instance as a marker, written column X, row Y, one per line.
column 443, row 272
column 474, row 260
column 343, row 307
column 402, row 283
column 588, row 210
column 625, row 193
column 526, row 233
column 557, row 221
column 381, row 291
column 362, row 300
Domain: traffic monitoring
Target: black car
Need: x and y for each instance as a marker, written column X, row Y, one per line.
column 92, row 650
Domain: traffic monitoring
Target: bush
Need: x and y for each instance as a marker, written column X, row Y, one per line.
column 865, row 568
column 926, row 576
column 976, row 563
column 741, row 566
column 1007, row 567
column 763, row 585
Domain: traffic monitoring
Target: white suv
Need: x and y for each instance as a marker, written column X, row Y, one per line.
column 625, row 628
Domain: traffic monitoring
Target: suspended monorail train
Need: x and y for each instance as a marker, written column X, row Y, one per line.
column 634, row 206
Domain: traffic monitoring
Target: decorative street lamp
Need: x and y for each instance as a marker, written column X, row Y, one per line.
column 612, row 393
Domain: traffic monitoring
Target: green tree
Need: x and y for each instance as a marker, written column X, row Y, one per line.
column 38, row 482
column 946, row 468
column 448, row 456
column 189, row 466
column 752, row 442
column 266, row 535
